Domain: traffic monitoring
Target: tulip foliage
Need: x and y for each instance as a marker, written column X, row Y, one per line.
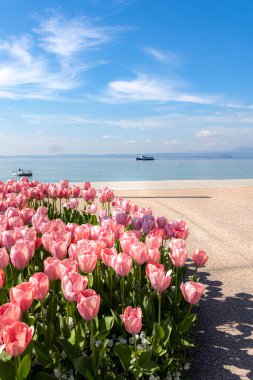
column 92, row 286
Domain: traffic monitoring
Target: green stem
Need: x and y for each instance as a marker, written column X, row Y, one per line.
column 176, row 285
column 111, row 283
column 159, row 307
column 135, row 350
column 92, row 344
column 16, row 367
column 74, row 319
column 43, row 317
column 123, row 293
column 187, row 315
column 140, row 283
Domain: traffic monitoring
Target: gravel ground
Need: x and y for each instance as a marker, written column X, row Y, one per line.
column 220, row 222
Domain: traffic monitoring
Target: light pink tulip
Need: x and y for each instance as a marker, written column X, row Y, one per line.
column 178, row 257
column 177, row 244
column 132, row 319
column 199, row 258
column 122, row 264
column 9, row 239
column 41, row 284
column 16, row 338
column 139, row 252
column 72, row 285
column 107, row 254
column 159, row 280
column 88, row 304
column 83, row 232
column 22, row 295
column 87, row 261
column 20, row 254
column 127, row 239
column 51, row 268
column 154, row 267
column 192, row 291
column 67, row 266
column 9, row 313
column 4, row 258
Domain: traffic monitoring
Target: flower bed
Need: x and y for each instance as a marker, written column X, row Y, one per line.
column 92, row 286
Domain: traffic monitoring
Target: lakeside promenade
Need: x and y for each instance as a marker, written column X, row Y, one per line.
column 220, row 217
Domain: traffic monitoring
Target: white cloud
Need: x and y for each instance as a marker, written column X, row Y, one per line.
column 172, row 142
column 66, row 37
column 161, row 56
column 110, row 137
column 207, row 134
column 146, row 88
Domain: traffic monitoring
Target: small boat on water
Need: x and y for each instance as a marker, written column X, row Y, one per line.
column 22, row 173
column 144, row 158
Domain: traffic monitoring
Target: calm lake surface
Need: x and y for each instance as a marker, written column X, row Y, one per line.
column 54, row 169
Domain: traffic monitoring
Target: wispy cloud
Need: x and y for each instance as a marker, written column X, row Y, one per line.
column 148, row 88
column 110, row 137
column 67, row 37
column 207, row 134
column 161, row 56
column 28, row 72
column 172, row 142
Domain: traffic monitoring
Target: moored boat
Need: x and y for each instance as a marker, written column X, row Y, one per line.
column 22, row 173
column 144, row 158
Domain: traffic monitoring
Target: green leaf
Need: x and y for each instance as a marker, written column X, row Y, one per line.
column 137, row 373
column 151, row 367
column 7, row 370
column 124, row 353
column 41, row 352
column 145, row 358
column 4, row 356
column 83, row 366
column 24, row 367
column 100, row 351
column 186, row 324
column 104, row 327
column 158, row 332
column 44, row 376
column 185, row 343
column 69, row 349
column 110, row 376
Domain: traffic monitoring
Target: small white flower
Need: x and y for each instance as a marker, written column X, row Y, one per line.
column 63, row 355
column 110, row 344
column 143, row 335
column 131, row 340
column 57, row 373
column 98, row 342
column 187, row 366
column 136, row 336
column 139, row 347
column 122, row 340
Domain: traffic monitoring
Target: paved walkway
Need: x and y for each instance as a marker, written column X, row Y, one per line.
column 221, row 222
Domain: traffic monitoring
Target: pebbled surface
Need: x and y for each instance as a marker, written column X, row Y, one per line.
column 220, row 222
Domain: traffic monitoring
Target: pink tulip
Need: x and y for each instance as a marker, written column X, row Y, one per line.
column 67, row 266
column 22, row 295
column 159, row 280
column 42, row 210
column 154, row 267
column 27, row 214
column 87, row 261
column 86, row 185
column 72, row 285
column 41, row 284
column 139, row 252
column 154, row 255
column 8, row 239
column 122, row 264
column 132, row 319
column 4, row 258
column 107, row 255
column 178, row 257
column 16, row 338
column 20, row 254
column 91, row 209
column 199, row 258
column 192, row 291
column 88, row 304
column 177, row 244
column 83, row 232
column 9, row 313
column 153, row 241
column 51, row 268
column 64, row 184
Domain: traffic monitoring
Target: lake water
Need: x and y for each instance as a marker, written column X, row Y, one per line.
column 54, row 169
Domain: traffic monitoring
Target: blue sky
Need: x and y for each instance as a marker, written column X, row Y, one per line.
column 125, row 76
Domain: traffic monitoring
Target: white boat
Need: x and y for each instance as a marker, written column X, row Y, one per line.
column 144, row 158
column 22, row 173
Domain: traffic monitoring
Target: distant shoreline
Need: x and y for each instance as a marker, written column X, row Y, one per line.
column 174, row 184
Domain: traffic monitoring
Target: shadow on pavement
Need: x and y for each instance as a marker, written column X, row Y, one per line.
column 224, row 336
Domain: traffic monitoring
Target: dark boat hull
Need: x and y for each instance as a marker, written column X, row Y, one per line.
column 145, row 159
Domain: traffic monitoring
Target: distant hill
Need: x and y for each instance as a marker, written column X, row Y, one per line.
column 239, row 153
